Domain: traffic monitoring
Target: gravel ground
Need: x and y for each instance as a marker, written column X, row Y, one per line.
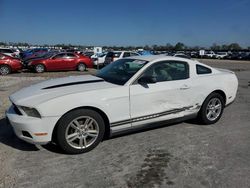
column 180, row 155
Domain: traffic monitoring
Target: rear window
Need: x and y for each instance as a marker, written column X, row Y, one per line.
column 203, row 70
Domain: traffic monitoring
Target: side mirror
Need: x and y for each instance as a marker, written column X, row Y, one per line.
column 147, row 80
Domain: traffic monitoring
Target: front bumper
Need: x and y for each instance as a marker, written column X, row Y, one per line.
column 32, row 130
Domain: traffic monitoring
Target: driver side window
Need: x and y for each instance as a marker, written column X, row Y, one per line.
column 168, row 70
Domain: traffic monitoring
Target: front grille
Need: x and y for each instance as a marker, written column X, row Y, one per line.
column 17, row 111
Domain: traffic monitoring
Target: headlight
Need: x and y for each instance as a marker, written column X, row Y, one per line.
column 30, row 111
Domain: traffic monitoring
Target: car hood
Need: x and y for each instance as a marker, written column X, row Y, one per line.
column 50, row 89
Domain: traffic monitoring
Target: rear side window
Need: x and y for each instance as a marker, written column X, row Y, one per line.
column 70, row 55
column 203, row 70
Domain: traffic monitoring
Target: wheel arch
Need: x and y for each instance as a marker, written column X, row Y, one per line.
column 101, row 112
column 81, row 62
column 222, row 93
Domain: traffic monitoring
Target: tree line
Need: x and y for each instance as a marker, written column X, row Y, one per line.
column 168, row 47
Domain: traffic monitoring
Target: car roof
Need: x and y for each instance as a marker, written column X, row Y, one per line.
column 157, row 57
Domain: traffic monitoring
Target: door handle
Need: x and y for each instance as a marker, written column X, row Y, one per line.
column 184, row 87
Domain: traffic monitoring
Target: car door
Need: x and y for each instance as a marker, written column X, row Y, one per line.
column 169, row 97
column 70, row 61
column 57, row 62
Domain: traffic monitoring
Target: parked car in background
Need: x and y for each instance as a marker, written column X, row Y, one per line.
column 243, row 56
column 16, row 51
column 33, row 52
column 99, row 59
column 247, row 57
column 221, row 55
column 210, row 54
column 74, row 51
column 182, row 55
column 232, row 56
column 26, row 61
column 9, row 64
column 238, row 56
column 8, row 51
column 115, row 55
column 194, row 54
column 61, row 61
column 78, row 112
column 88, row 54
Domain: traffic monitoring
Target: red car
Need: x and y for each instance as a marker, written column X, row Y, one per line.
column 61, row 61
column 9, row 64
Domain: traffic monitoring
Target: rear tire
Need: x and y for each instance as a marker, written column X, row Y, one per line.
column 80, row 131
column 212, row 109
column 81, row 67
column 5, row 69
column 39, row 68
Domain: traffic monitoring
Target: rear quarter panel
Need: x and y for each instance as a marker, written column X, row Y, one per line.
column 206, row 84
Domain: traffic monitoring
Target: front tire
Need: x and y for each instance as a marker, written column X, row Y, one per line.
column 80, row 131
column 212, row 109
column 5, row 69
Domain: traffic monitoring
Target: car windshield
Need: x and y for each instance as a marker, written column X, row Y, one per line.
column 120, row 71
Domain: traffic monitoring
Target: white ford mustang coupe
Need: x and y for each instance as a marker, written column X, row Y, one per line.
column 78, row 112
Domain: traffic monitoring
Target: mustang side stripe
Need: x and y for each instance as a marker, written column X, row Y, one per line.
column 142, row 118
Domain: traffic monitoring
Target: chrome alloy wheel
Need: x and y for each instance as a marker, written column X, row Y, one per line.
column 81, row 67
column 4, row 70
column 82, row 132
column 214, row 108
column 39, row 68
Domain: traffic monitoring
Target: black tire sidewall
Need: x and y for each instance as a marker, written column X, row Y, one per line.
column 202, row 113
column 64, row 122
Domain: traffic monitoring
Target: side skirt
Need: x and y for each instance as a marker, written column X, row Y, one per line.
column 149, row 126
